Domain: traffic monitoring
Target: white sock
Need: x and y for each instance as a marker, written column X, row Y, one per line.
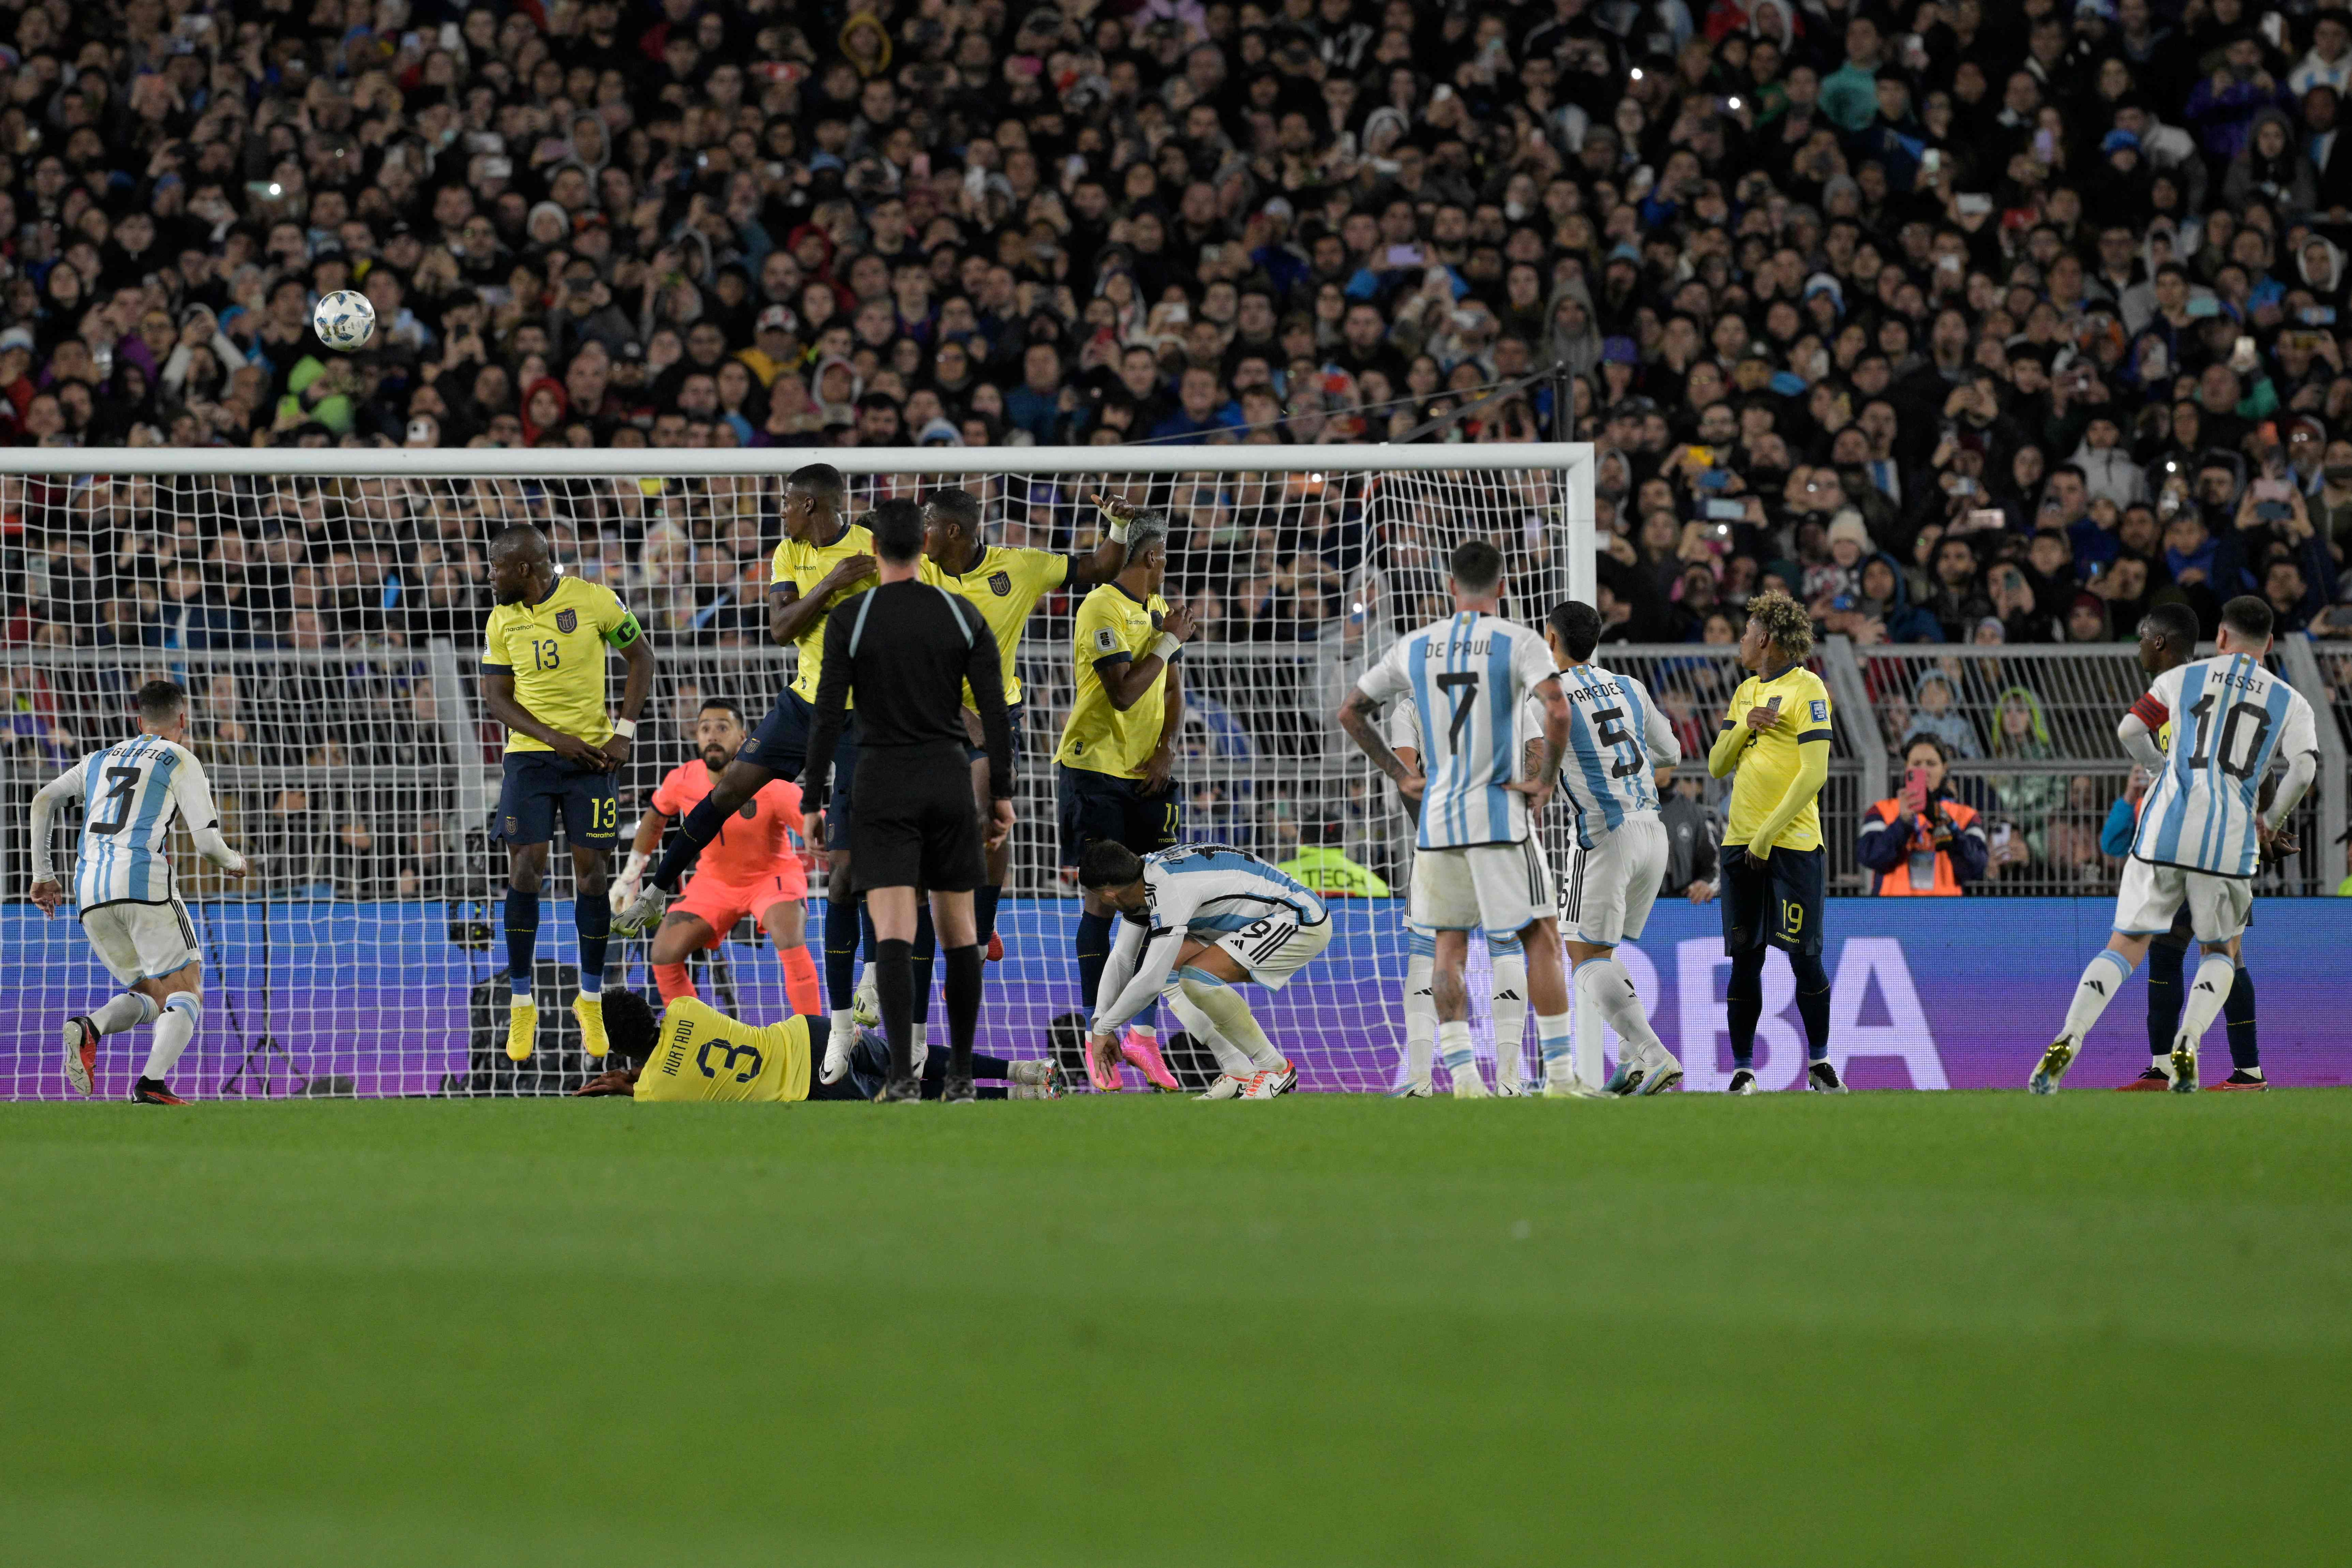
column 1148, row 1031
column 1453, row 1046
column 2159, row 1063
column 2207, row 993
column 845, row 1022
column 1556, row 1037
column 922, row 1037
column 127, row 1011
column 1510, row 1000
column 2102, row 978
column 1588, row 1046
column 1234, row 1021
column 1231, row 1060
column 1419, row 1016
column 1602, row 984
column 520, row 999
column 173, row 1030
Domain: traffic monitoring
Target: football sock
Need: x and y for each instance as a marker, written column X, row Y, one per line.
column 127, row 1011
column 799, row 981
column 927, row 947
column 1743, row 1005
column 2164, row 965
column 840, row 944
column 2102, row 978
column 1556, row 1037
column 1094, row 951
column 983, row 911
column 865, row 926
column 673, row 982
column 699, row 827
column 894, row 987
column 591, row 913
column 1455, row 1048
column 962, row 998
column 1813, row 1003
column 522, row 939
column 1511, row 1003
column 1604, row 985
column 2206, row 994
column 173, row 1030
column 1231, row 1060
column 2238, row 1012
column 1586, row 1024
column 1420, row 1008
column 1233, row 1020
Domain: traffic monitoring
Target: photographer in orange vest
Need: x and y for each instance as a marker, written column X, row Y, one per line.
column 1923, row 843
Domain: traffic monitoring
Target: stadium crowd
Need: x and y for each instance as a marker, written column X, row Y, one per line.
column 1967, row 322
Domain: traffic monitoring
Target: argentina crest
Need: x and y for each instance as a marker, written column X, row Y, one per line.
column 566, row 620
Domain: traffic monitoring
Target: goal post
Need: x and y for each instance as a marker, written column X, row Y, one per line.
column 324, row 606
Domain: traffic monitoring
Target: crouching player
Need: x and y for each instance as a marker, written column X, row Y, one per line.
column 751, row 867
column 1208, row 917
column 693, row 1051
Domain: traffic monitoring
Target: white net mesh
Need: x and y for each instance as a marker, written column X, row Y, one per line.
column 328, row 629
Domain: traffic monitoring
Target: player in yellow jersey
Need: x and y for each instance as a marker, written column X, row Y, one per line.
column 1003, row 584
column 824, row 559
column 543, row 660
column 694, row 1051
column 1776, row 734
column 1116, row 764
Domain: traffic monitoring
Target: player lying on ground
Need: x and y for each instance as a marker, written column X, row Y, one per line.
column 1195, row 920
column 693, row 1051
column 751, row 867
column 2202, row 833
column 124, row 890
column 543, row 661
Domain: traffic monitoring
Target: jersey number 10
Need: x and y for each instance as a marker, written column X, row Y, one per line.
column 2240, row 713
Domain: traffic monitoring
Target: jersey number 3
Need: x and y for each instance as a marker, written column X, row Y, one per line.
column 119, row 783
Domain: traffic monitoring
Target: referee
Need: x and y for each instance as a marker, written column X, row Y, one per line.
column 909, row 649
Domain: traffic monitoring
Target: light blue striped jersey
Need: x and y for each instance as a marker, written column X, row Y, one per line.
column 1213, row 890
column 132, row 792
column 1466, row 677
column 1618, row 737
column 2229, row 717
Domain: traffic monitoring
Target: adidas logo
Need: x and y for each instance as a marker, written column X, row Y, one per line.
column 1508, row 996
column 2099, row 985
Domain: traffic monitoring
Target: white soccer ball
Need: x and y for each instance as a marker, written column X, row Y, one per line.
column 344, row 320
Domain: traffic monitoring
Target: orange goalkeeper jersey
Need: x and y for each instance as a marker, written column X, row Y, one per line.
column 756, row 843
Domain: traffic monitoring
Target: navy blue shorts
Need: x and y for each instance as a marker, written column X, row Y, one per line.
column 1780, row 903
column 541, row 786
column 1012, row 713
column 1095, row 806
column 780, row 744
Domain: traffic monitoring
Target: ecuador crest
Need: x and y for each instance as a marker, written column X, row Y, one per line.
column 567, row 620
column 1000, row 583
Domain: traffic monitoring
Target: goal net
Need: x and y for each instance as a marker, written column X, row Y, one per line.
column 324, row 610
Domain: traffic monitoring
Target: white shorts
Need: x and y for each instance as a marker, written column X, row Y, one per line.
column 1607, row 894
column 1501, row 889
column 1276, row 947
column 142, row 941
column 2151, row 896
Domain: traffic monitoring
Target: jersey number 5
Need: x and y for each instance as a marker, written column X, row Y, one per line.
column 119, row 783
column 1612, row 734
column 1463, row 703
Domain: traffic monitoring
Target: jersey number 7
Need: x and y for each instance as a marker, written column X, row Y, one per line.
column 1463, row 704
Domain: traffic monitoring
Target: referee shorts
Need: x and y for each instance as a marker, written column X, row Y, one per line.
column 1094, row 806
column 915, row 826
column 780, row 744
column 1778, row 902
column 540, row 787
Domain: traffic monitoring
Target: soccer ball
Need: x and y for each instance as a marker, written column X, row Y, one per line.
column 344, row 320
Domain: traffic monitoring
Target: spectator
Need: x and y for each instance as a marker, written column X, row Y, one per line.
column 1924, row 842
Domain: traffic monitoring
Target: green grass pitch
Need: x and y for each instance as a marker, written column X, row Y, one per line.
column 1901, row 1329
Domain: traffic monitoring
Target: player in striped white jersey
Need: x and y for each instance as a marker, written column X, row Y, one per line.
column 124, row 890
column 1476, row 864
column 2201, row 833
column 1210, row 917
column 1620, row 746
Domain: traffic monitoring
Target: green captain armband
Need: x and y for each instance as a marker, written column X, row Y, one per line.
column 624, row 631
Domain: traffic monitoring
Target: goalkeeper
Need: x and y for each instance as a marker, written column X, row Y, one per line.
column 693, row 1051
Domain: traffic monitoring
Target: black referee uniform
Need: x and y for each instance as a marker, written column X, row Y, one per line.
column 908, row 648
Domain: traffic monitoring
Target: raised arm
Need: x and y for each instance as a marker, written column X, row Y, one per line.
column 1126, row 681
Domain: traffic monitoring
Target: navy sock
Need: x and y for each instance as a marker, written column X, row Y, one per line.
column 1094, row 951
column 927, row 947
column 894, row 988
column 963, row 1006
column 2165, row 962
column 592, row 915
column 2239, row 1009
column 1743, row 1005
column 866, row 930
column 840, row 948
column 983, row 911
column 1813, row 1003
column 522, row 938
column 686, row 841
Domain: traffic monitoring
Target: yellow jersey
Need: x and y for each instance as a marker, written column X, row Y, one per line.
column 1768, row 762
column 1113, row 624
column 556, row 650
column 703, row 1053
column 804, row 566
column 1004, row 586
